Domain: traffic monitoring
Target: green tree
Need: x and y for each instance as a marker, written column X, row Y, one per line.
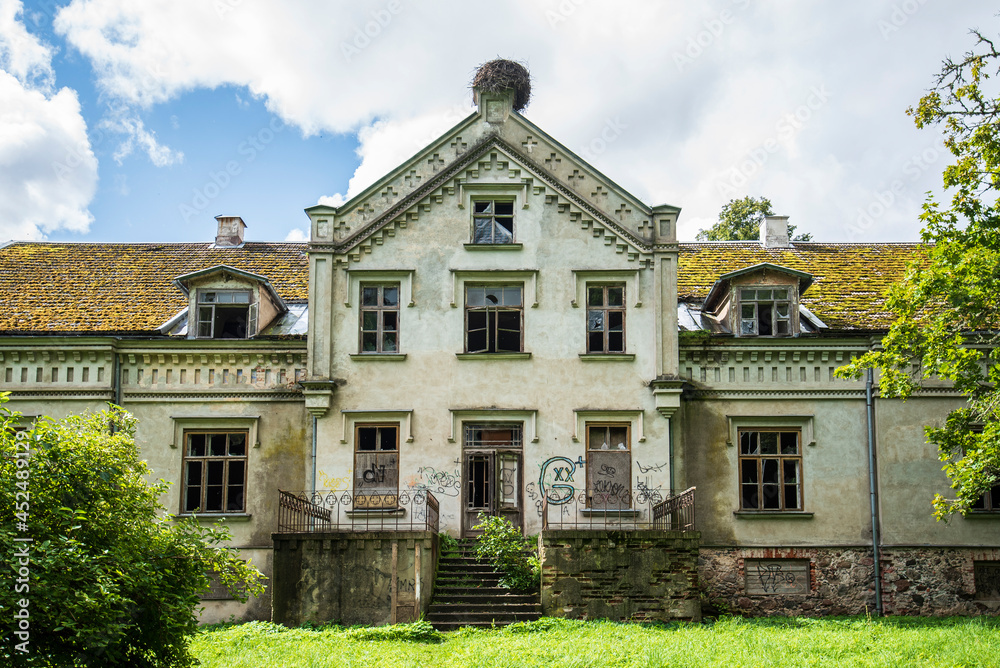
column 740, row 219
column 948, row 304
column 110, row 580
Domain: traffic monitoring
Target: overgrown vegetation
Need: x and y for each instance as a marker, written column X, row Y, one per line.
column 110, row 581
column 946, row 307
column 505, row 547
column 731, row 642
column 740, row 219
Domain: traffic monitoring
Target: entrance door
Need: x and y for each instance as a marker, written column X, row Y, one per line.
column 491, row 476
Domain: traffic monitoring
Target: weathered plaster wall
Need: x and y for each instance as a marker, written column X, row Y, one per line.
column 365, row 578
column 635, row 576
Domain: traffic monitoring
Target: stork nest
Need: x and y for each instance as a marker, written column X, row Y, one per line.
column 500, row 75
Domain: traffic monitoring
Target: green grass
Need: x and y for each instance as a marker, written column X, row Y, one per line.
column 770, row 643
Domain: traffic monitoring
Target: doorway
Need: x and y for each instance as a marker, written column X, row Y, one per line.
column 491, row 474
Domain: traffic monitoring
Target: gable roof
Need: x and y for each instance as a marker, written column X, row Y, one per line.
column 95, row 288
column 849, row 280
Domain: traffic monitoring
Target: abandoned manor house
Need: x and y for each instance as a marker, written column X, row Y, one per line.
column 495, row 327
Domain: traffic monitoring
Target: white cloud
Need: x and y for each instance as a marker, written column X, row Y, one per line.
column 700, row 87
column 134, row 133
column 48, row 172
column 334, row 200
column 297, row 234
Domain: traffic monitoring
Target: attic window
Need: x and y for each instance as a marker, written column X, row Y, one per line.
column 765, row 311
column 493, row 222
column 226, row 314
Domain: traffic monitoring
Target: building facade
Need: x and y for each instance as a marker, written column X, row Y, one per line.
column 496, row 327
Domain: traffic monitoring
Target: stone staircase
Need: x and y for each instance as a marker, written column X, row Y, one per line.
column 467, row 593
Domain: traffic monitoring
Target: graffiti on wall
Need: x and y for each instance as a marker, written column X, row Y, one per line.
column 335, row 484
column 556, row 477
column 439, row 483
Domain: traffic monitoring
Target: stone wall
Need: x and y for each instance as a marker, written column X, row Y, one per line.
column 619, row 575
column 928, row 581
column 362, row 578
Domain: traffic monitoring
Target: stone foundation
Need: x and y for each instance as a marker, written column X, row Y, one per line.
column 618, row 575
column 927, row 581
column 352, row 578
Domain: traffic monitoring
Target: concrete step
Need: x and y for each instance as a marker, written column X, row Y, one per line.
column 484, row 608
column 480, row 596
column 461, row 590
column 452, row 621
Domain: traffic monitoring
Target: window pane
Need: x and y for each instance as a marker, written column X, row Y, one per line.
column 782, row 309
column 763, row 294
column 369, row 320
column 770, row 497
column 748, row 472
column 494, row 296
column 616, row 296
column 619, row 438
column 509, row 320
column 196, row 445
column 213, row 498
column 369, row 296
column 789, row 443
column 483, row 207
column 475, row 296
column 616, row 342
column 224, row 297
column 595, row 321
column 595, row 342
column 236, row 469
column 241, row 297
column 748, row 294
column 598, row 439
column 748, row 443
column 482, row 231
column 194, row 474
column 508, row 342
column 504, row 208
column 503, row 232
column 388, row 438
column 217, row 447
column 512, row 296
column 477, row 341
column 389, row 342
column 768, row 443
column 748, row 311
column 389, row 320
column 369, row 342
column 748, row 327
column 207, row 298
column 215, row 468
column 237, row 444
column 781, row 327
column 476, row 320
column 390, row 296
column 367, row 439
column 616, row 321
column 781, row 294
column 790, row 471
column 595, row 296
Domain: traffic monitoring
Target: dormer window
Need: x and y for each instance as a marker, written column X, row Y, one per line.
column 493, row 222
column 765, row 311
column 226, row 314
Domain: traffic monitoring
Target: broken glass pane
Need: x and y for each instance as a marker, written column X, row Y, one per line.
column 390, row 296
column 595, row 321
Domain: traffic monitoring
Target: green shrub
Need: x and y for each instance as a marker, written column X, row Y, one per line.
column 418, row 631
column 503, row 545
column 111, row 581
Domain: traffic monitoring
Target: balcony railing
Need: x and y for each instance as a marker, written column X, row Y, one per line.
column 332, row 511
column 623, row 510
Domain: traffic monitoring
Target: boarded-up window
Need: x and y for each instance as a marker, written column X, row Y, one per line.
column 609, row 466
column 376, row 465
column 777, row 576
column 987, row 579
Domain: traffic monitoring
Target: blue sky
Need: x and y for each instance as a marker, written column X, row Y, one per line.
column 141, row 121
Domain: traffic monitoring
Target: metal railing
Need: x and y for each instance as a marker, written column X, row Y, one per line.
column 621, row 510
column 332, row 511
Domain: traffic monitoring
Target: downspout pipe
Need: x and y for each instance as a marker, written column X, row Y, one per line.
column 313, row 457
column 872, row 482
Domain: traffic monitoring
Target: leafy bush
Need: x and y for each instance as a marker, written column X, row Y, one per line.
column 418, row 631
column 503, row 545
column 110, row 580
column 447, row 543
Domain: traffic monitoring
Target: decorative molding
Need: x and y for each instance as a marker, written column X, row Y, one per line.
column 607, row 357
column 493, row 356
column 526, row 415
column 630, row 277
column 584, row 415
column 351, row 417
column 804, row 422
column 378, row 357
column 182, row 423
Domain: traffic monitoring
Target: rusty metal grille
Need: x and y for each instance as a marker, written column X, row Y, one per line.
column 333, row 511
column 623, row 510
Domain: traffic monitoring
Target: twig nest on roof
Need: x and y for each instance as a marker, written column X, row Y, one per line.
column 500, row 75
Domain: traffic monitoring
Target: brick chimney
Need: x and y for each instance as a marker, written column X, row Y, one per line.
column 230, row 232
column 774, row 232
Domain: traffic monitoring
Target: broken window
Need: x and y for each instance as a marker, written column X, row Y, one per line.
column 493, row 317
column 988, row 502
column 493, row 222
column 765, row 312
column 215, row 472
column 770, row 470
column 380, row 318
column 376, row 465
column 226, row 314
column 609, row 466
column 605, row 318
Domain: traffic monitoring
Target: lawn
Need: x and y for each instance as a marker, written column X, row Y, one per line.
column 770, row 643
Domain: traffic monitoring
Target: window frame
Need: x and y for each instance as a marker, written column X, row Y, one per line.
column 606, row 309
column 227, row 459
column 755, row 303
column 492, row 215
column 591, row 465
column 380, row 309
column 495, row 310
column 778, row 456
column 385, row 500
column 203, row 305
column 990, row 502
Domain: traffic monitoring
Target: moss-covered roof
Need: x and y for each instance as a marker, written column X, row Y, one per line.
column 91, row 288
column 849, row 280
